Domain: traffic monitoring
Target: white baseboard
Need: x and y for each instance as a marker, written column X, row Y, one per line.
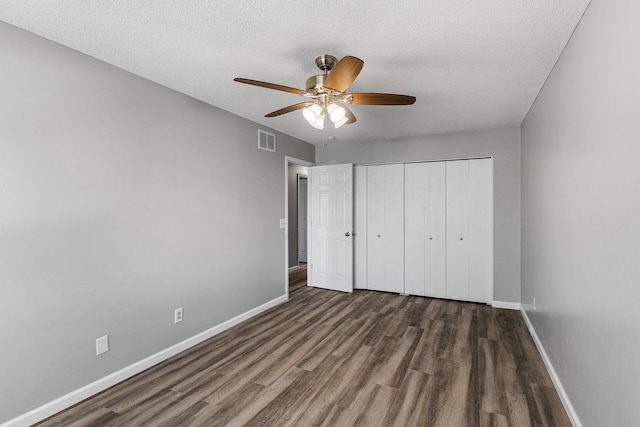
column 507, row 305
column 571, row 412
column 95, row 387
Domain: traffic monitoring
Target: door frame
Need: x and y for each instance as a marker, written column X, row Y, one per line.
column 299, row 162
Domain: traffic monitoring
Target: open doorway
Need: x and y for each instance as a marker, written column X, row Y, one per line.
column 296, row 207
column 298, row 236
column 302, row 218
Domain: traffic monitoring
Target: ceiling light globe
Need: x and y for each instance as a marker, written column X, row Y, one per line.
column 319, row 123
column 336, row 113
column 339, row 123
column 312, row 113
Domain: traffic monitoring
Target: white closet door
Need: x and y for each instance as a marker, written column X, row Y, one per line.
column 425, row 262
column 415, row 229
column 435, row 231
column 376, row 263
column 481, row 230
column 394, row 212
column 360, row 227
column 457, row 205
column 385, row 228
column 470, row 230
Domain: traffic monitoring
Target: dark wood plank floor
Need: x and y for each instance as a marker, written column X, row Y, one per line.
column 334, row 359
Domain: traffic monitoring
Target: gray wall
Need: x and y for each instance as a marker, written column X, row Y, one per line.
column 581, row 215
column 502, row 144
column 292, row 180
column 121, row 201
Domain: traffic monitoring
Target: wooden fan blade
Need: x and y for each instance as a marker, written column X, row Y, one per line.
column 344, row 73
column 289, row 109
column 349, row 115
column 382, row 99
column 270, row 85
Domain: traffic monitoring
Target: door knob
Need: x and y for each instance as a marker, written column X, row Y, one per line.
column 347, row 234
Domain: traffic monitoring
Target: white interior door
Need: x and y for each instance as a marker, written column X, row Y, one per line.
column 331, row 226
column 302, row 218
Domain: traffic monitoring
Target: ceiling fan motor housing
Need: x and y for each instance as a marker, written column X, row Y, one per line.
column 315, row 84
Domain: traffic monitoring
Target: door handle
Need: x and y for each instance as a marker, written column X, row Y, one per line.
column 347, row 234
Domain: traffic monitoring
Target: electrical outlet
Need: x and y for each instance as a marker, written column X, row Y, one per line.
column 102, row 345
column 177, row 315
column 534, row 303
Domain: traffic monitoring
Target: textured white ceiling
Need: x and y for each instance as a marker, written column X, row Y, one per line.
column 472, row 64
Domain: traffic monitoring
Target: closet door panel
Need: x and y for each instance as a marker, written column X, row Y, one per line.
column 360, row 227
column 394, row 227
column 376, row 262
column 385, row 226
column 415, row 228
column 481, row 230
column 425, row 258
column 435, row 230
column 457, row 205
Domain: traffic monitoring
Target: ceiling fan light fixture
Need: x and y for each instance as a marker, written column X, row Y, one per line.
column 312, row 113
column 326, row 94
column 336, row 112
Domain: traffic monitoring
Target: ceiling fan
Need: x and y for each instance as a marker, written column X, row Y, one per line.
column 326, row 93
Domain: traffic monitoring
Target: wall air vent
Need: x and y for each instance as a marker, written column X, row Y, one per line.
column 266, row 141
